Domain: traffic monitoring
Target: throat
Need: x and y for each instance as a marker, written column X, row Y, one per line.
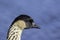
column 19, row 34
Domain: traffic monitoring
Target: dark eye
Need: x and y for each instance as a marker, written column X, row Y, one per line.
column 31, row 20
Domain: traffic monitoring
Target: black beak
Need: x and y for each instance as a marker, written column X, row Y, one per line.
column 35, row 26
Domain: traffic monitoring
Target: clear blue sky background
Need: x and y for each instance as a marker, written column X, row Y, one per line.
column 46, row 14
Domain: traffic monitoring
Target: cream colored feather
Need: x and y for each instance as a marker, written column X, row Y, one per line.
column 15, row 31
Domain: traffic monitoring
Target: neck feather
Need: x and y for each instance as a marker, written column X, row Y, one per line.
column 15, row 33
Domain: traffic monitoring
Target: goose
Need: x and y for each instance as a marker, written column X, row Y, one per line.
column 19, row 24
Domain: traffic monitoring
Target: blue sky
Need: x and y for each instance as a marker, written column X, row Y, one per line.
column 46, row 14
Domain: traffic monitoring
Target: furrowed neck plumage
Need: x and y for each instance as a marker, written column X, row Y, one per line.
column 16, row 30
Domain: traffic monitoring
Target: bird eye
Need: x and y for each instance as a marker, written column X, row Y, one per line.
column 31, row 20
